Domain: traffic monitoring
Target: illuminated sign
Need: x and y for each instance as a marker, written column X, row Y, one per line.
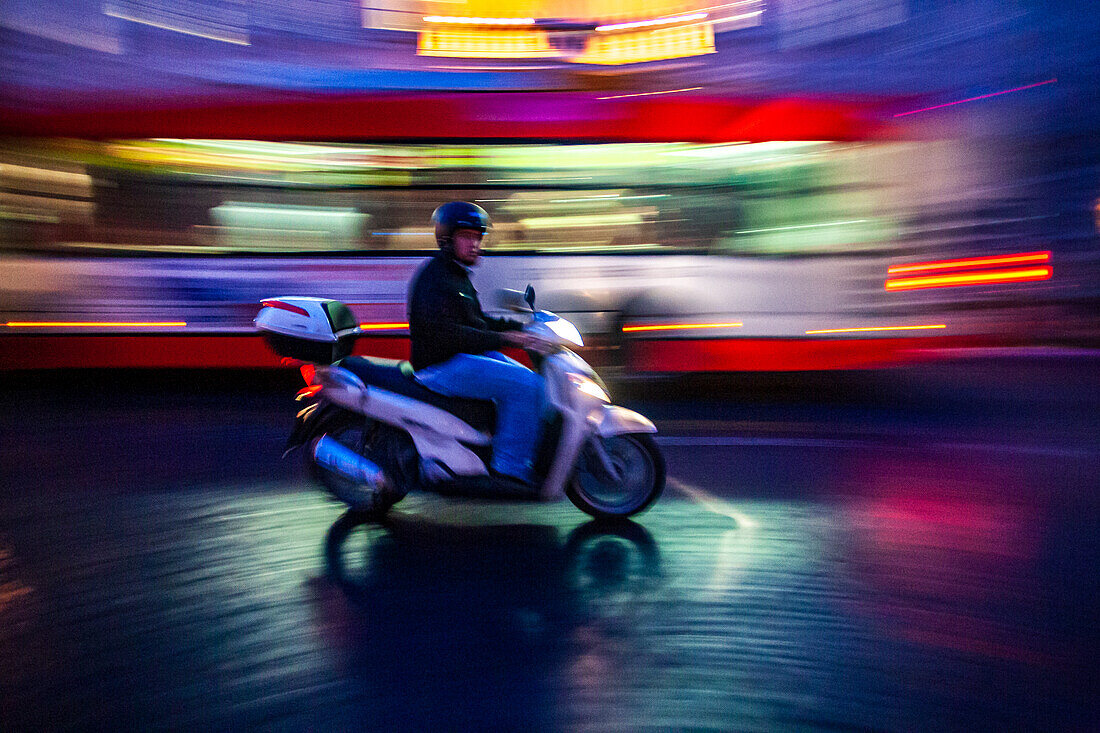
column 479, row 43
column 648, row 45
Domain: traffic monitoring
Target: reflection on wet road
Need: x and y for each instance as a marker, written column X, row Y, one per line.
column 774, row 586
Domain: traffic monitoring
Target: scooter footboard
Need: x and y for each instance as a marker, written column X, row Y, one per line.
column 617, row 420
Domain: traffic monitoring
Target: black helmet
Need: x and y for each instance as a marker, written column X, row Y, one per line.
column 458, row 215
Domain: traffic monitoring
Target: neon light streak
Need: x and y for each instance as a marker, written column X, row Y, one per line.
column 877, row 328
column 973, row 278
column 1016, row 259
column 648, row 23
column 382, row 326
column 95, row 324
column 974, row 99
column 678, row 326
column 650, row 94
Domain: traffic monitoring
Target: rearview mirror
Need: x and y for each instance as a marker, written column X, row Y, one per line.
column 512, row 300
column 529, row 296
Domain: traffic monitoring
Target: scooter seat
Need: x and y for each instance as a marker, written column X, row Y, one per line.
column 398, row 377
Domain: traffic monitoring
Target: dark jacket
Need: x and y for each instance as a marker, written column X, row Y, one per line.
column 445, row 317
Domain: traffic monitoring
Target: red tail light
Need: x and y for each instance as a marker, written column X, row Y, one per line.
column 308, row 370
column 308, row 391
column 284, row 306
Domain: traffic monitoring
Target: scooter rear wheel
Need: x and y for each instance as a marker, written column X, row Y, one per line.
column 641, row 478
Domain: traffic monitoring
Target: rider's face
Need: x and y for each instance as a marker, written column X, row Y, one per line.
column 467, row 246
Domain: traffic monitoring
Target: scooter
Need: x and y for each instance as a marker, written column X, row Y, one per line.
column 371, row 433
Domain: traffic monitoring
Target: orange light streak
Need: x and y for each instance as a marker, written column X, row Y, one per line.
column 1014, row 259
column 95, row 324
column 650, row 94
column 877, row 328
column 382, row 326
column 678, row 326
column 971, row 278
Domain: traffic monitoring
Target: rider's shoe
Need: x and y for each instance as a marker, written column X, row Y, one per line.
column 493, row 486
column 512, row 486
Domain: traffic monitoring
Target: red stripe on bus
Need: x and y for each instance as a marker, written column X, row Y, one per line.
column 781, row 355
column 54, row 351
column 57, row 351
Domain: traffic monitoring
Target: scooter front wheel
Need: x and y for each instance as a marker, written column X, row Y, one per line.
column 638, row 477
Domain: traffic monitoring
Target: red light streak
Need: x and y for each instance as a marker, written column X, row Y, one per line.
column 972, row 278
column 1014, row 259
column 974, row 99
column 308, row 370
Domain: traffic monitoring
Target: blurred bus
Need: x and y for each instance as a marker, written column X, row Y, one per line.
column 686, row 234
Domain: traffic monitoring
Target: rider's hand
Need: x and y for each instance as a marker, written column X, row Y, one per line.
column 518, row 338
column 527, row 341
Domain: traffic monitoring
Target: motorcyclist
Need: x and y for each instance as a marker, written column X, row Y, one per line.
column 455, row 346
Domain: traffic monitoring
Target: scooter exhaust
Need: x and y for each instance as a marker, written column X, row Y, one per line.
column 335, row 456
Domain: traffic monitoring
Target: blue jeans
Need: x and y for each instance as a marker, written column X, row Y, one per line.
column 517, row 392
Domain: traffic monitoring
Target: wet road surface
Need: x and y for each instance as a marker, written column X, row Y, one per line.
column 903, row 552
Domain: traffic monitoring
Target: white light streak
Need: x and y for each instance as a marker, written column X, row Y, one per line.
column 742, row 16
column 651, row 22
column 112, row 13
column 258, row 148
column 802, row 226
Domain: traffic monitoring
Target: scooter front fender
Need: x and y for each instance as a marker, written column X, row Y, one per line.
column 615, row 420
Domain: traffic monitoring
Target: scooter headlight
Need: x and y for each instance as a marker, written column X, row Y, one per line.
column 565, row 330
column 589, row 387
